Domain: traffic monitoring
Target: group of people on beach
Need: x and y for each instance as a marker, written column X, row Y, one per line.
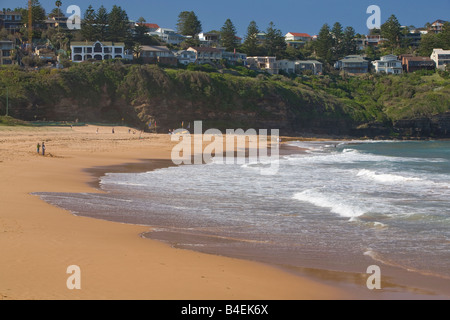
column 39, row 147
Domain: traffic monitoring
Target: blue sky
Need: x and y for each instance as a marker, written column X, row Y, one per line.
column 290, row 16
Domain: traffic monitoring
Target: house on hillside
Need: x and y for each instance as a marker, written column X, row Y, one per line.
column 441, row 58
column 6, row 48
column 168, row 36
column 86, row 50
column 209, row 39
column 158, row 54
column 261, row 38
column 234, row 57
column 353, row 64
column 46, row 54
column 437, row 26
column 11, row 20
column 411, row 64
column 295, row 36
column 388, row 64
column 185, row 57
column 314, row 66
column 286, row 66
column 206, row 54
column 152, row 27
column 297, row 40
column 268, row 64
column 369, row 41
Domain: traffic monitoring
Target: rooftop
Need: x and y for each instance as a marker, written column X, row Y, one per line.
column 418, row 59
column 296, row 34
column 151, row 25
column 155, row 48
column 91, row 43
column 205, row 49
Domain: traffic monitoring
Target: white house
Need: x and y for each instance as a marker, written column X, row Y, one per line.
column 209, row 39
column 388, row 64
column 295, row 36
column 168, row 36
column 206, row 54
column 185, row 57
column 82, row 51
column 268, row 64
column 315, row 66
column 286, row 66
column 441, row 58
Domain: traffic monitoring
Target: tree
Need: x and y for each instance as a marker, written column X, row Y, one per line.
column 275, row 43
column 188, row 24
column 101, row 24
column 118, row 26
column 348, row 41
column 58, row 4
column 292, row 53
column 431, row 41
column 324, row 44
column 338, row 35
column 444, row 36
column 38, row 16
column 89, row 27
column 251, row 45
column 140, row 30
column 228, row 36
column 391, row 30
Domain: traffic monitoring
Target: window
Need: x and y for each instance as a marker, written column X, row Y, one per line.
column 7, row 61
column 107, row 50
column 6, row 53
column 78, row 57
column 89, row 50
column 98, row 48
column 78, row 50
column 117, row 50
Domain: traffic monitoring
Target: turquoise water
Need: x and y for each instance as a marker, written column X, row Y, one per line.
column 339, row 206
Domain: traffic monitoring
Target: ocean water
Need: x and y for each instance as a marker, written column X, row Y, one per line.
column 338, row 206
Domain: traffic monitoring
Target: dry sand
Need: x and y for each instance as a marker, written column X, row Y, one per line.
column 39, row 241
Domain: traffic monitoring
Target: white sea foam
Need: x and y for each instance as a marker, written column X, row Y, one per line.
column 385, row 177
column 338, row 206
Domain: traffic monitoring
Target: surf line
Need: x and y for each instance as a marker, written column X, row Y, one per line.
column 228, row 149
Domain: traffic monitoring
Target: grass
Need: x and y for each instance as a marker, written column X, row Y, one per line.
column 10, row 121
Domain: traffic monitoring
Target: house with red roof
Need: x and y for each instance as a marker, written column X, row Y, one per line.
column 295, row 36
column 152, row 27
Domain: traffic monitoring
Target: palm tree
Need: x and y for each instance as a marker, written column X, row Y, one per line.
column 59, row 4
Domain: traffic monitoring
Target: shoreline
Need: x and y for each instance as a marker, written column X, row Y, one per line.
column 39, row 241
column 350, row 280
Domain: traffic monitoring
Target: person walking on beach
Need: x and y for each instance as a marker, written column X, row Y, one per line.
column 113, row 130
column 43, row 148
column 38, row 147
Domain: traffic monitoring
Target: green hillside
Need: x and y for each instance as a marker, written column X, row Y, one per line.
column 138, row 94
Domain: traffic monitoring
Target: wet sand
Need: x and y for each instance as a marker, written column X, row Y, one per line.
column 39, row 241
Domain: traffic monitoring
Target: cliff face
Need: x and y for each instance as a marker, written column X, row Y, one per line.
column 436, row 126
column 139, row 95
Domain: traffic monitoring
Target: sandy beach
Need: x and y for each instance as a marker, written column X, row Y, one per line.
column 39, row 241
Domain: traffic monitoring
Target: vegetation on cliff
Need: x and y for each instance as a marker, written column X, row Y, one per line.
column 139, row 94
